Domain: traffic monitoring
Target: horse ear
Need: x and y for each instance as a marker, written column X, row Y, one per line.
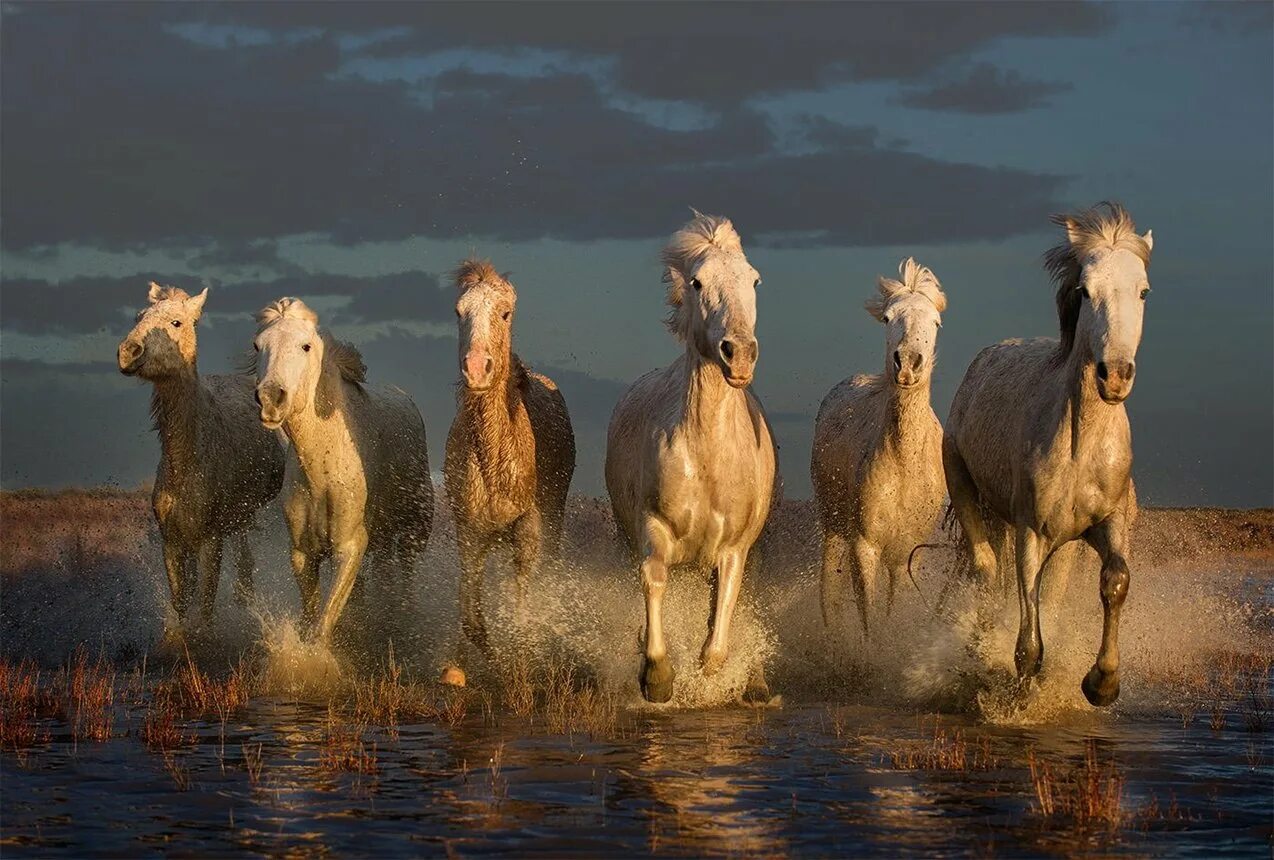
column 196, row 302
column 156, row 293
column 1150, row 240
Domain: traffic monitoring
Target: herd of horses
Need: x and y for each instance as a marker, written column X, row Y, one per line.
column 1036, row 451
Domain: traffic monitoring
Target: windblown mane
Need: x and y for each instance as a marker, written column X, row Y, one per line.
column 345, row 356
column 912, row 278
column 474, row 271
column 685, row 250
column 1106, row 225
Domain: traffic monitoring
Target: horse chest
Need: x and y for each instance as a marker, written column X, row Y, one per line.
column 714, row 492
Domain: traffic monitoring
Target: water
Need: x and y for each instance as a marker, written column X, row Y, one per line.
column 916, row 742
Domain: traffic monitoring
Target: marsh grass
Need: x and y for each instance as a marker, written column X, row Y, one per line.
column 1089, row 795
column 343, row 749
column 943, row 750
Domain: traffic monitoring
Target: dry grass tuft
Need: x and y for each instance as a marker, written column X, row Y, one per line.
column 23, row 703
column 89, row 693
column 161, row 728
column 944, row 750
column 343, row 749
column 1090, row 794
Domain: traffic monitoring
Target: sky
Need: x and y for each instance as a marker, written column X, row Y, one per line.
column 353, row 154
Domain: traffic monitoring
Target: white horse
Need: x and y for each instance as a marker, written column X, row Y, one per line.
column 357, row 471
column 876, row 464
column 217, row 465
column 690, row 461
column 1038, row 437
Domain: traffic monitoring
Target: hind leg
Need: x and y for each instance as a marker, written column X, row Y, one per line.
column 1110, row 539
column 964, row 499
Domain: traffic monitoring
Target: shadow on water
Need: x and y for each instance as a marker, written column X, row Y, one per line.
column 246, row 737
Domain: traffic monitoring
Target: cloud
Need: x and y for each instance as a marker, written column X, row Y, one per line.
column 153, row 140
column 985, row 90
column 89, row 304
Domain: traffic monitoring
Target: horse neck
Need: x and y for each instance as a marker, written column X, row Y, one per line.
column 310, row 430
column 175, row 403
column 489, row 417
column 906, row 414
column 708, row 396
column 1088, row 414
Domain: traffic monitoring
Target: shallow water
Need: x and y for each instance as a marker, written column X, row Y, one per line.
column 846, row 761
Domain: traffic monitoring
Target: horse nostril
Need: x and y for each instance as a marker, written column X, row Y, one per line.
column 1130, row 370
column 897, row 360
column 256, row 395
column 727, row 349
column 1101, row 371
column 916, row 361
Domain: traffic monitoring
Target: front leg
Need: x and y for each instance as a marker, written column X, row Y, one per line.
column 473, row 549
column 1029, row 654
column 835, row 578
column 245, row 569
column 209, row 568
column 1110, row 539
column 657, row 675
column 729, row 579
column 176, row 564
column 864, row 561
column 347, row 558
column 527, row 539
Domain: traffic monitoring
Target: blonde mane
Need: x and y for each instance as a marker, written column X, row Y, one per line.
column 474, row 271
column 1106, row 225
column 344, row 356
column 686, row 249
column 912, row 278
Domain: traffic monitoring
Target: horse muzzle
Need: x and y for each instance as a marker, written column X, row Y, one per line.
column 738, row 354
column 131, row 357
column 1115, row 380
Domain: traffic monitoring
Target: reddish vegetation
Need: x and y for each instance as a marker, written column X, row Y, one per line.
column 1090, row 794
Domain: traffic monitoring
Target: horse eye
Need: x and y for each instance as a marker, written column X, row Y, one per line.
column 176, row 323
column 306, row 347
column 757, row 284
column 696, row 283
column 257, row 348
column 1145, row 291
column 1083, row 291
column 506, row 315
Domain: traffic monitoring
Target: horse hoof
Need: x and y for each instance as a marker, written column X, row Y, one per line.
column 453, row 676
column 1099, row 688
column 656, row 680
column 756, row 693
column 711, row 662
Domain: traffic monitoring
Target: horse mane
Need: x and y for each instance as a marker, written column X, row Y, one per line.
column 1106, row 225
column 685, row 250
column 159, row 292
column 912, row 278
column 473, row 271
column 344, row 356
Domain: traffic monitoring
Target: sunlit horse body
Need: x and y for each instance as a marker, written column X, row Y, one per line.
column 511, row 450
column 217, row 464
column 1038, row 437
column 690, row 460
column 357, row 470
column 876, row 464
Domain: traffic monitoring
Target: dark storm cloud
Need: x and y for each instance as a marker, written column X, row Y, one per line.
column 713, row 53
column 985, row 90
column 150, row 139
column 88, row 304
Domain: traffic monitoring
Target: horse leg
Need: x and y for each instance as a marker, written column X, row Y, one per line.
column 305, row 567
column 527, row 541
column 174, row 565
column 729, row 578
column 657, row 674
column 864, row 560
column 1110, row 539
column 347, row 557
column 473, row 562
column 209, row 567
column 245, row 568
column 964, row 499
column 834, row 586
column 1029, row 654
